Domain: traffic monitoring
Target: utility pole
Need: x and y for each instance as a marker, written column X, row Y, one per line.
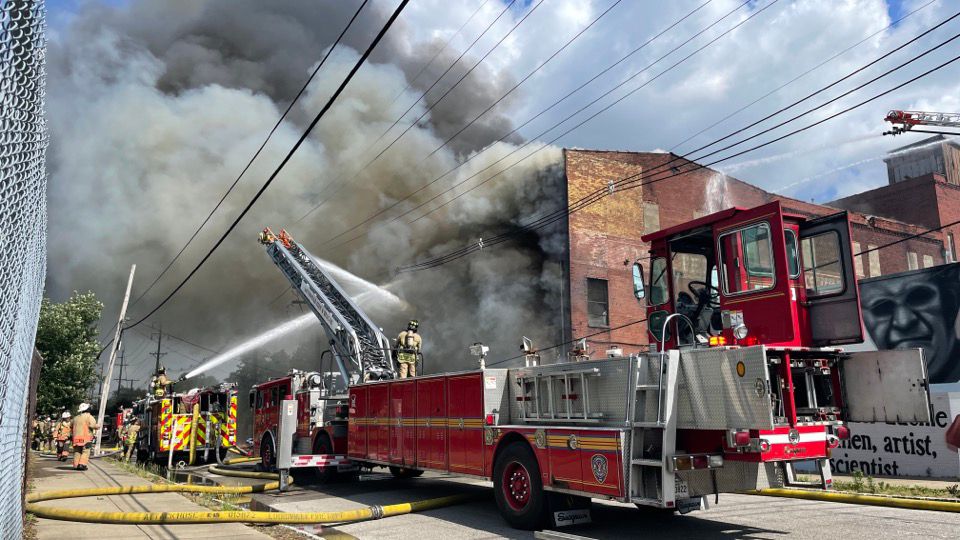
column 113, row 357
column 120, row 379
column 158, row 354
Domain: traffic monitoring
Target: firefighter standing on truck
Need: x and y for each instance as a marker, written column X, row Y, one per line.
column 62, row 435
column 160, row 382
column 130, row 432
column 84, row 426
column 408, row 348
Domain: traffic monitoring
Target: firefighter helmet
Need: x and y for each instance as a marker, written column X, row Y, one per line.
column 413, row 325
column 83, row 407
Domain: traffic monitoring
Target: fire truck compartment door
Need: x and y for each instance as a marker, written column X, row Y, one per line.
column 833, row 301
column 885, row 386
column 724, row 389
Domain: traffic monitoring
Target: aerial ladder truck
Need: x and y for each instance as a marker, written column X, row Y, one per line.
column 904, row 121
column 745, row 377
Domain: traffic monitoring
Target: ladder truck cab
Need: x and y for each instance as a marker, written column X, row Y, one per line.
column 747, row 309
column 203, row 419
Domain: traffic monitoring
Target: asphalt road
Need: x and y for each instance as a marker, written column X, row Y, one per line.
column 736, row 516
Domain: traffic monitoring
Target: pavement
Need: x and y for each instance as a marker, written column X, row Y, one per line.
column 50, row 474
column 736, row 516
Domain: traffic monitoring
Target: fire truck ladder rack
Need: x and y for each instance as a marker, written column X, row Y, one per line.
column 360, row 348
column 558, row 396
column 653, row 429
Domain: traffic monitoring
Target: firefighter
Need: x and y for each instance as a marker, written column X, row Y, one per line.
column 408, row 347
column 130, row 433
column 40, row 433
column 83, row 429
column 49, row 435
column 160, row 383
column 62, row 434
column 35, row 432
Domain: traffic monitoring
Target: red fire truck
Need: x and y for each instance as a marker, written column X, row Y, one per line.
column 747, row 309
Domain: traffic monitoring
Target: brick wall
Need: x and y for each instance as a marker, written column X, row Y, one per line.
column 604, row 238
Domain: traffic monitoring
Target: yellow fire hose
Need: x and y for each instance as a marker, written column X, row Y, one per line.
column 857, row 498
column 235, row 461
column 171, row 518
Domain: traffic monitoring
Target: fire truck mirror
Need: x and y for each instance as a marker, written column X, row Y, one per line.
column 638, row 290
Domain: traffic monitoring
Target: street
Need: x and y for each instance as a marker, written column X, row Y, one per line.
column 736, row 516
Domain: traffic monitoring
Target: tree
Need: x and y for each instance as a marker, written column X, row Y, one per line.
column 67, row 340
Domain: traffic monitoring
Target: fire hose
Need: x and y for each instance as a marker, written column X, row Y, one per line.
column 242, row 516
column 858, row 498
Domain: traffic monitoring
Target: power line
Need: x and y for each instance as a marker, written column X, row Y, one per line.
column 521, row 147
column 629, row 182
column 280, row 167
column 254, row 157
column 565, row 343
column 422, row 96
column 663, row 167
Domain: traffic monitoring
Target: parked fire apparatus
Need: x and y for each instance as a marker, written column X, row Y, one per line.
column 746, row 310
column 169, row 420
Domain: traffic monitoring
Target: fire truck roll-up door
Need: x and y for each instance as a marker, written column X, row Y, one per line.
column 752, row 260
column 828, row 274
column 885, row 386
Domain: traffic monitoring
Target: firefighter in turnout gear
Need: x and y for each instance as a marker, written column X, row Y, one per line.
column 48, row 435
column 83, row 429
column 408, row 348
column 37, row 433
column 160, row 384
column 62, row 434
column 130, row 432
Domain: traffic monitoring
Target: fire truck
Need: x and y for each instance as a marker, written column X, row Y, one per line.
column 745, row 377
column 171, row 430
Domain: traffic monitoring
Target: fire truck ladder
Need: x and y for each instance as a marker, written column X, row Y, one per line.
column 904, row 121
column 360, row 348
column 558, row 396
column 653, row 428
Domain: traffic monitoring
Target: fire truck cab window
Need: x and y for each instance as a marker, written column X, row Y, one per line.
column 746, row 258
column 793, row 259
column 659, row 293
column 259, row 399
column 274, row 392
column 822, row 271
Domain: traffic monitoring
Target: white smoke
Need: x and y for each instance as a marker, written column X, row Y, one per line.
column 156, row 106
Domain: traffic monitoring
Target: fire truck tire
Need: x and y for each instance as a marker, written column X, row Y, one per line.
column 517, row 487
column 402, row 473
column 268, row 454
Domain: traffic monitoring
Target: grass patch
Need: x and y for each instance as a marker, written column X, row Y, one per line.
column 861, row 483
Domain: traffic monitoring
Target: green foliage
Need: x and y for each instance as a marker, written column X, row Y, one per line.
column 67, row 339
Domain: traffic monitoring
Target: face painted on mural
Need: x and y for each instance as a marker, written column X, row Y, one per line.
column 918, row 310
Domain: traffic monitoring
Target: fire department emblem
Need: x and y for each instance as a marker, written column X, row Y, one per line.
column 572, row 442
column 540, row 438
column 598, row 463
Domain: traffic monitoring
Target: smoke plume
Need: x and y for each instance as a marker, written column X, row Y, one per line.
column 154, row 108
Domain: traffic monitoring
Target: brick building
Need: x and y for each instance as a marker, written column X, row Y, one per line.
column 604, row 237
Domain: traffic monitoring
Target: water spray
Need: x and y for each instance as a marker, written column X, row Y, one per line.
column 254, row 343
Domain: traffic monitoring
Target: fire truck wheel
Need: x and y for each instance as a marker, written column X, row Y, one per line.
column 316, row 475
column 402, row 473
column 517, row 487
column 268, row 460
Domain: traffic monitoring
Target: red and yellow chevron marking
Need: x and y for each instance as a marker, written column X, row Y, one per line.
column 165, row 423
column 228, row 429
column 184, row 424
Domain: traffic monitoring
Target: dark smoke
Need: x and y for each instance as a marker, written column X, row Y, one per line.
column 155, row 106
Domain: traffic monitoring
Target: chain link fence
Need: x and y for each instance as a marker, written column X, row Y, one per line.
column 23, row 224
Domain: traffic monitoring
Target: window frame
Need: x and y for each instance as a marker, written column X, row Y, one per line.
column 839, row 261
column 606, row 302
column 723, row 267
column 797, row 257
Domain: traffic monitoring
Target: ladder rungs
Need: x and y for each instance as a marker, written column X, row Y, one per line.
column 647, row 462
column 648, row 424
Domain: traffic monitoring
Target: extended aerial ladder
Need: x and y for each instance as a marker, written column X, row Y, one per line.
column 904, row 121
column 360, row 348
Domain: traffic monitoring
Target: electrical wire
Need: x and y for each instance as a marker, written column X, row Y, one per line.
column 423, row 95
column 254, row 157
column 604, row 331
column 296, row 146
column 629, row 182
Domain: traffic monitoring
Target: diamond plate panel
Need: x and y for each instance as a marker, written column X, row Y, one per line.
column 711, row 393
column 734, row 476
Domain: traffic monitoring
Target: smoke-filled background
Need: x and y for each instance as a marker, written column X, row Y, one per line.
column 155, row 107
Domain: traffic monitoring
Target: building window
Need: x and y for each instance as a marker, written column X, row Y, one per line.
column 597, row 307
column 927, row 261
column 651, row 217
column 873, row 259
column 912, row 263
column 951, row 249
column 858, row 261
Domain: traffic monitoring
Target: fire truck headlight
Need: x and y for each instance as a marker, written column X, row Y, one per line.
column 715, row 461
column 740, row 332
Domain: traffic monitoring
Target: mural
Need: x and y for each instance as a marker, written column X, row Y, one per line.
column 917, row 309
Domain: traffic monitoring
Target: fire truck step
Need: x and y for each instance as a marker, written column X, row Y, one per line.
column 647, row 462
column 648, row 387
column 646, row 502
column 653, row 424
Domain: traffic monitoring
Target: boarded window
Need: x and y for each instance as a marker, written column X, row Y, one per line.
column 873, row 258
column 912, row 262
column 858, row 260
column 927, row 261
column 651, row 217
column 597, row 306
